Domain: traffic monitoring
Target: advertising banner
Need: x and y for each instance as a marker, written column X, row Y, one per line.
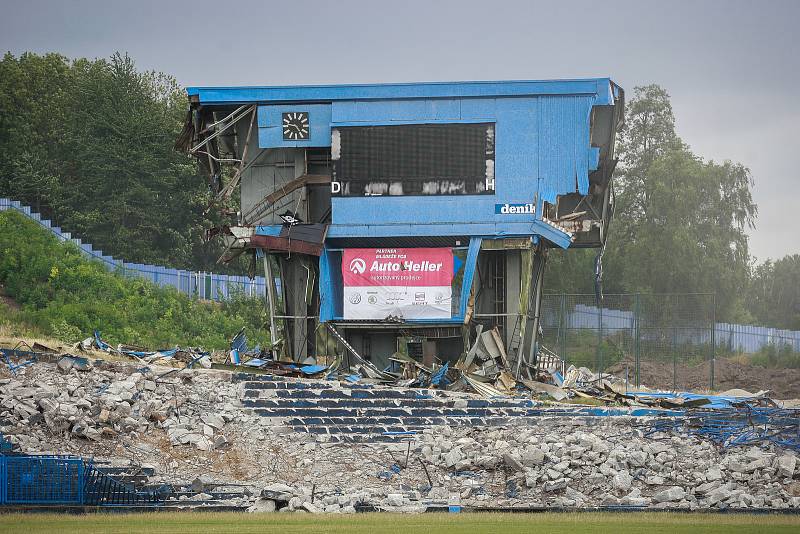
column 412, row 283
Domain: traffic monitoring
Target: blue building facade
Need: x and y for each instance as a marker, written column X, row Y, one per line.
column 494, row 172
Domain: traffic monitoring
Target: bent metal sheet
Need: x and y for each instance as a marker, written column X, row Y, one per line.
column 412, row 283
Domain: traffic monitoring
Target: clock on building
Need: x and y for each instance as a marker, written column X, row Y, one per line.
column 295, row 126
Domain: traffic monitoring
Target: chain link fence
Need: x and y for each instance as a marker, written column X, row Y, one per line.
column 670, row 341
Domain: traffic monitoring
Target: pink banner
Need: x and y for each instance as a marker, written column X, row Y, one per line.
column 397, row 266
column 397, row 282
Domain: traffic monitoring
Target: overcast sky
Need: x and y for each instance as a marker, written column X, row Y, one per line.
column 731, row 67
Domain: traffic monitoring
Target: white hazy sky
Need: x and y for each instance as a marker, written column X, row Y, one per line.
column 731, row 67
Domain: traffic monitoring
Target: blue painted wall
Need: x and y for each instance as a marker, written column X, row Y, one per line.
column 542, row 150
column 270, row 122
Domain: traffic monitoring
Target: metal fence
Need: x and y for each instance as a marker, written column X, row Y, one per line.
column 41, row 480
column 666, row 341
column 65, row 481
column 199, row 284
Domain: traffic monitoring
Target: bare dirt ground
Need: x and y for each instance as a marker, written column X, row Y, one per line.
column 728, row 374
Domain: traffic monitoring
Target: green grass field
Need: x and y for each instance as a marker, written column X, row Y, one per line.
column 550, row 523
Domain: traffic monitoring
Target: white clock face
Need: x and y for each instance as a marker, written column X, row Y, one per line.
column 295, row 126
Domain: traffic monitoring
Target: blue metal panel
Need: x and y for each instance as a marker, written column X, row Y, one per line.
column 273, row 230
column 270, row 120
column 327, row 307
column 380, row 111
column 594, row 158
column 564, row 145
column 424, row 121
column 469, row 273
column 600, row 87
column 478, row 108
column 542, row 149
column 534, row 228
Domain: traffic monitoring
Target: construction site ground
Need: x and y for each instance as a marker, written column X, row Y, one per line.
column 265, row 443
column 728, row 374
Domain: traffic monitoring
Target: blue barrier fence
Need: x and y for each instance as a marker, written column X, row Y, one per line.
column 200, row 284
column 54, row 480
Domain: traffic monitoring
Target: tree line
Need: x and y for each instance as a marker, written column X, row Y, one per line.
column 89, row 144
column 680, row 225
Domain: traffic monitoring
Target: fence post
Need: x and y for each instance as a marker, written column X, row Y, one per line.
column 637, row 332
column 599, row 355
column 563, row 323
column 81, row 481
column 674, row 353
column 713, row 337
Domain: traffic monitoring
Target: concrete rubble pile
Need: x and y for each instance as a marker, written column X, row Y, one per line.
column 193, row 429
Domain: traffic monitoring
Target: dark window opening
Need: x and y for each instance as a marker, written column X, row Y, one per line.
column 420, row 159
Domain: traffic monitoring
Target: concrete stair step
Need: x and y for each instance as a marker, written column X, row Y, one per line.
column 396, row 412
column 421, row 422
column 275, row 402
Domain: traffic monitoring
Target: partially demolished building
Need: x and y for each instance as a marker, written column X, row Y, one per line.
column 396, row 218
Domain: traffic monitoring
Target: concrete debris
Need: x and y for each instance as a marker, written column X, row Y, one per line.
column 674, row 493
column 205, row 429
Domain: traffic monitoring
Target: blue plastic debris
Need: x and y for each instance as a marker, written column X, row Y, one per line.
column 558, row 378
column 239, row 342
column 353, row 378
column 737, row 426
column 255, row 362
column 438, row 377
column 715, row 401
column 8, row 353
column 102, row 345
column 511, row 489
column 312, row 369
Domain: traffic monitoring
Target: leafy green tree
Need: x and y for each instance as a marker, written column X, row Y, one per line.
column 89, row 144
column 774, row 295
column 680, row 221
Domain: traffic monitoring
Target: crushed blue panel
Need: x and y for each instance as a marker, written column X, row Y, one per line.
column 715, row 401
column 558, row 378
column 439, row 376
column 239, row 342
column 102, row 345
column 312, row 369
column 7, row 354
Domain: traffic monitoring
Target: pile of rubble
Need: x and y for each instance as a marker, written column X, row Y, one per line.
column 191, row 425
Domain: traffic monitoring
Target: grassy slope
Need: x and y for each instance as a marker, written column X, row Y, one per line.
column 566, row 523
column 61, row 294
